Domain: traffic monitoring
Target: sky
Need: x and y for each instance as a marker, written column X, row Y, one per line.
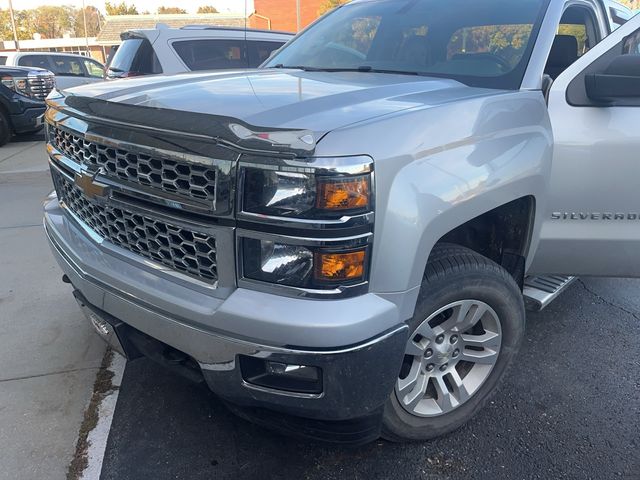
column 231, row 6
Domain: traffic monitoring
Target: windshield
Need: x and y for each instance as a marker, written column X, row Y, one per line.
column 484, row 43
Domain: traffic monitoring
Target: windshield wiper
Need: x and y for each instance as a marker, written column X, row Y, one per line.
column 361, row 68
column 299, row 67
column 366, row 68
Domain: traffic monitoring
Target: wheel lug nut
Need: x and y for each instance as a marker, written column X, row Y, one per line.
column 456, row 352
column 443, row 367
column 440, row 339
column 430, row 367
column 428, row 353
column 453, row 339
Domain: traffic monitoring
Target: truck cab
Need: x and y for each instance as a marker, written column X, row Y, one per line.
column 341, row 242
column 577, row 226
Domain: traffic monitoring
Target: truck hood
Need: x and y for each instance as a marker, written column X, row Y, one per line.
column 282, row 99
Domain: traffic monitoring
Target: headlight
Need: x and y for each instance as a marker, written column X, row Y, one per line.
column 310, row 267
column 17, row 84
column 304, row 195
column 306, row 224
column 278, row 193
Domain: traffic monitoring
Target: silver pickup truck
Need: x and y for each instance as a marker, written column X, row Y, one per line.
column 341, row 242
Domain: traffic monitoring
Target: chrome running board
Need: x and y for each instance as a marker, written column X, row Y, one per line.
column 541, row 291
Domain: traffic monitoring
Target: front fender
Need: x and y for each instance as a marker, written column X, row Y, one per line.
column 438, row 167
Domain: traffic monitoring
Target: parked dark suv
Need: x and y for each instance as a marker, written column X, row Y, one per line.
column 22, row 94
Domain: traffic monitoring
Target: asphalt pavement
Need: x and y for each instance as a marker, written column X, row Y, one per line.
column 569, row 408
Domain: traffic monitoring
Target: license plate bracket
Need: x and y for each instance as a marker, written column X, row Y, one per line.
column 101, row 325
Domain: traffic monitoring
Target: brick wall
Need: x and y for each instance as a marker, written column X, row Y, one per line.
column 282, row 13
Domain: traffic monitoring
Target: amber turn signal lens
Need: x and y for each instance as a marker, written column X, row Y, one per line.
column 343, row 194
column 339, row 266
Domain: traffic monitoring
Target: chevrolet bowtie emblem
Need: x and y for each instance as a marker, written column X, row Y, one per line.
column 92, row 189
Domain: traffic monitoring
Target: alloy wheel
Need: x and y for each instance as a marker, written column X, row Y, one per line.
column 448, row 357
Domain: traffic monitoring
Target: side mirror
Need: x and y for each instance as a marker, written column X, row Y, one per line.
column 620, row 80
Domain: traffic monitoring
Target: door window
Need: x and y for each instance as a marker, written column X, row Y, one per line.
column 577, row 34
column 40, row 61
column 212, row 54
column 67, row 66
column 579, row 22
column 94, row 69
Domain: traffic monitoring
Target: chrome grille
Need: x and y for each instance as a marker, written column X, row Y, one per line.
column 171, row 176
column 182, row 249
column 41, row 85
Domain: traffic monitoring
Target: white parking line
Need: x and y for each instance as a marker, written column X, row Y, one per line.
column 97, row 438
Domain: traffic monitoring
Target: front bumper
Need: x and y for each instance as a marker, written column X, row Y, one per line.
column 29, row 120
column 357, row 343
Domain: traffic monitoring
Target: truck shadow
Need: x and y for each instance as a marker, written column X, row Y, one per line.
column 547, row 417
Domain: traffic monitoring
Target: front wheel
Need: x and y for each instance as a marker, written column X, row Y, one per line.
column 467, row 328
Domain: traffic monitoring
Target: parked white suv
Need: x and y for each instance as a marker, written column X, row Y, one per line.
column 177, row 50
column 70, row 69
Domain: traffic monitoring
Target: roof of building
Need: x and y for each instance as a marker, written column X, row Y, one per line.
column 116, row 24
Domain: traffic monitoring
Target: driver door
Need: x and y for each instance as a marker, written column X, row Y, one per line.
column 592, row 219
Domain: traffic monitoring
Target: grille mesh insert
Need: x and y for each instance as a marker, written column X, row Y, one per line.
column 184, row 250
column 175, row 177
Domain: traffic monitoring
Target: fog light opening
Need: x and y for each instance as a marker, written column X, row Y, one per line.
column 281, row 376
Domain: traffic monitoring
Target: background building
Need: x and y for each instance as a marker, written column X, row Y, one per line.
column 282, row 15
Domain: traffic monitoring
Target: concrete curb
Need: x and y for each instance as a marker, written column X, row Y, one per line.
column 94, row 431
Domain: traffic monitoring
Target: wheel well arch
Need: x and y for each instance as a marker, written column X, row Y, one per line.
column 502, row 234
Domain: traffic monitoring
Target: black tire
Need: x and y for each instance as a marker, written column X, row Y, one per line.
column 5, row 129
column 455, row 273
